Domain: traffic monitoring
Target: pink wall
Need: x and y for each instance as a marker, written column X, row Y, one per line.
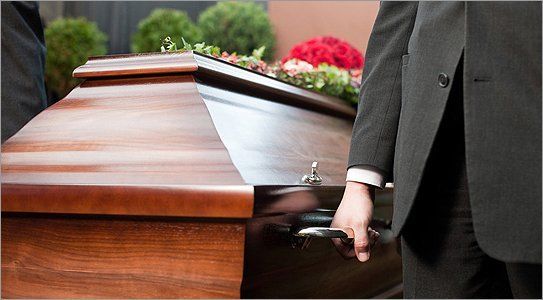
column 296, row 21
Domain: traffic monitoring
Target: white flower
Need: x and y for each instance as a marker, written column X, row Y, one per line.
column 295, row 66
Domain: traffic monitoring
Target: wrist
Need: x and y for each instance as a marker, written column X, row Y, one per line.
column 359, row 186
column 367, row 191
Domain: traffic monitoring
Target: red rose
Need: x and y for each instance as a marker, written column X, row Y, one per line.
column 329, row 50
column 342, row 48
column 342, row 61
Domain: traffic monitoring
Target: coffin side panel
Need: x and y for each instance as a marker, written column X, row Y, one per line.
column 176, row 201
column 276, row 270
column 67, row 257
column 274, row 144
column 276, row 266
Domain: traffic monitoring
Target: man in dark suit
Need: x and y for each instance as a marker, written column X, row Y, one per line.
column 450, row 110
column 23, row 63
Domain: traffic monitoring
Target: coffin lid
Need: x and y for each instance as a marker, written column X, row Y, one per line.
column 172, row 134
column 203, row 65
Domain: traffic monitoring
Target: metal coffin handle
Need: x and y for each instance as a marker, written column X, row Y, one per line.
column 306, row 231
column 325, row 232
column 345, row 234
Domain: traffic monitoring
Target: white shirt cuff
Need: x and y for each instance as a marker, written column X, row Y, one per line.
column 366, row 174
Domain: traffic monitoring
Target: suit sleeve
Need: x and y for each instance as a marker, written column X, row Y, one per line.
column 366, row 174
column 376, row 125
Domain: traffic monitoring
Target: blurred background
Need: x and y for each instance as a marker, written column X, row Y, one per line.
column 293, row 21
column 77, row 29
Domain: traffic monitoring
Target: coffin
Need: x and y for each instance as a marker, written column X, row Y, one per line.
column 179, row 175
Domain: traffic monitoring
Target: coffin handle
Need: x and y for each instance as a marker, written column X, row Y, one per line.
column 308, row 232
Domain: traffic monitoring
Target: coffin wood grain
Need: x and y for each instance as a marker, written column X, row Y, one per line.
column 135, row 146
column 135, row 131
column 136, row 64
column 208, row 68
column 67, row 257
column 179, row 201
column 141, row 182
column 282, row 142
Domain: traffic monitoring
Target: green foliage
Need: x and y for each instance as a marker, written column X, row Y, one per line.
column 253, row 61
column 326, row 79
column 170, row 46
column 238, row 27
column 69, row 43
column 160, row 24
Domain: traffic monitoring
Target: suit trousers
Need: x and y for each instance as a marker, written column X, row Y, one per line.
column 440, row 253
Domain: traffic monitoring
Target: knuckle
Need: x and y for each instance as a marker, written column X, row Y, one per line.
column 361, row 244
column 363, row 222
column 360, row 224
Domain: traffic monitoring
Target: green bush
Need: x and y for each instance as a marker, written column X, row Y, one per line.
column 237, row 27
column 69, row 43
column 160, row 24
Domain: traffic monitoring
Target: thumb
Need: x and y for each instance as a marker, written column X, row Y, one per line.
column 361, row 243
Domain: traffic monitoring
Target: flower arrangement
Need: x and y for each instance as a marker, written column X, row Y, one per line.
column 329, row 50
column 323, row 77
column 253, row 62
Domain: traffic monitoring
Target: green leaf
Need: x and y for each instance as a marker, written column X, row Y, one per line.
column 216, row 51
column 259, row 53
column 186, row 45
column 199, row 47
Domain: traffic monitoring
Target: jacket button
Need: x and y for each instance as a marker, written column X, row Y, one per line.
column 443, row 80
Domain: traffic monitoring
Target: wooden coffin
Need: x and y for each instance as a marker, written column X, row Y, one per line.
column 179, row 175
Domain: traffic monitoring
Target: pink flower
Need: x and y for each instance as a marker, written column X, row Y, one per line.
column 295, row 66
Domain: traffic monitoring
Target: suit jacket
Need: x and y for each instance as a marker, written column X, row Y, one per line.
column 411, row 59
column 23, row 63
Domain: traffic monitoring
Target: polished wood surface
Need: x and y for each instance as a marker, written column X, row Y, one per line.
column 250, row 82
column 160, row 177
column 137, row 64
column 210, row 68
column 133, row 131
column 180, row 201
column 90, row 257
column 282, row 142
column 137, row 146
column 281, row 199
column 274, row 268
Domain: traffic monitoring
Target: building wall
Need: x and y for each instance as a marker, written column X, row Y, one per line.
column 118, row 19
column 297, row 21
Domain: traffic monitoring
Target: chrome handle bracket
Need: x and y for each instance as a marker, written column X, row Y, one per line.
column 313, row 178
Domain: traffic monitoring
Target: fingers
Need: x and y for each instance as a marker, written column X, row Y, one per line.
column 345, row 250
column 373, row 237
column 362, row 242
column 349, row 251
column 356, row 208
